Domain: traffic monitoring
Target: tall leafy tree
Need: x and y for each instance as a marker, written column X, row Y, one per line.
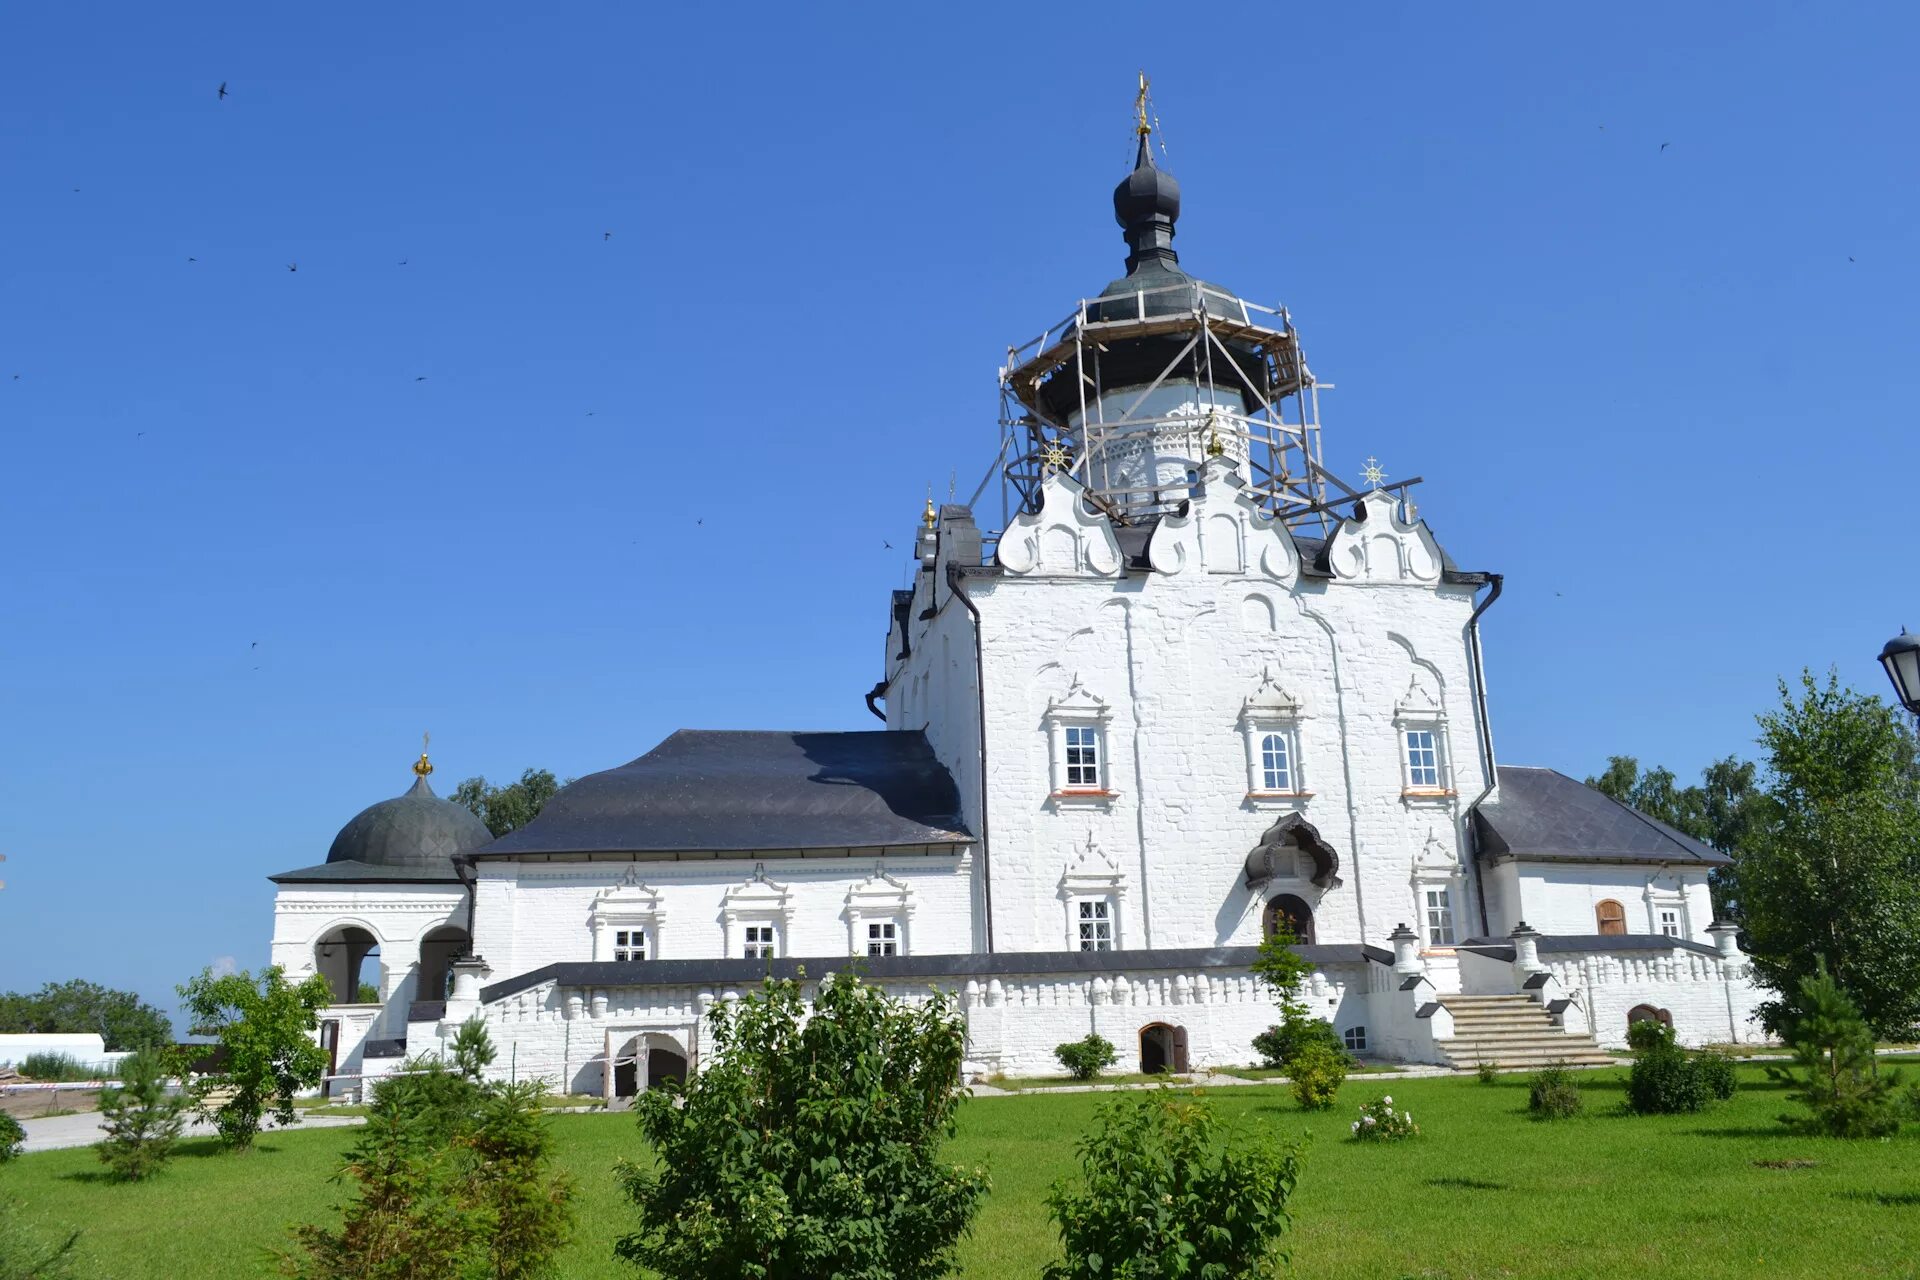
column 121, row 1018
column 510, row 807
column 1833, row 870
column 1720, row 810
column 266, row 1026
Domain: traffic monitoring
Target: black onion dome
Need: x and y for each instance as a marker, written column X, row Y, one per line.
column 416, row 830
column 1147, row 204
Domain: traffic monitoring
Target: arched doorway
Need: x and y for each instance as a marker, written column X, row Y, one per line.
column 645, row 1062
column 1290, row 910
column 1648, row 1013
column 341, row 957
column 438, row 950
column 1162, row 1048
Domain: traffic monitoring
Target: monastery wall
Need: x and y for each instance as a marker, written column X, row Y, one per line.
column 1562, row 898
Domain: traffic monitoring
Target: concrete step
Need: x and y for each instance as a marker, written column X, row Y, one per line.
column 1537, row 1018
column 1504, row 998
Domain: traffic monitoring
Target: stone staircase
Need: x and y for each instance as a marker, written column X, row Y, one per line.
column 1513, row 1031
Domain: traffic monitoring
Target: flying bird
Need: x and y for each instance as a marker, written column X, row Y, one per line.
column 1665, row 145
column 403, row 262
column 421, row 378
column 886, row 544
column 193, row 259
column 254, row 645
column 605, row 236
column 223, row 90
column 293, row 266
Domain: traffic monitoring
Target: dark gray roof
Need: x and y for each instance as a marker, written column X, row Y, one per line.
column 720, row 790
column 608, row 973
column 351, row 871
column 412, row 837
column 1541, row 815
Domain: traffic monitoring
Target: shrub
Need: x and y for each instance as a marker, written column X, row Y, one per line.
column 142, row 1118
column 1553, row 1095
column 1835, row 1074
column 1317, row 1074
column 810, row 1145
column 1085, row 1059
column 24, row 1255
column 1379, row 1122
column 480, row 1201
column 1279, row 1045
column 1164, row 1193
column 473, row 1049
column 1488, row 1073
column 13, row 1137
column 265, row 1027
column 430, row 1095
column 1717, row 1074
column 1666, row 1079
column 56, row 1068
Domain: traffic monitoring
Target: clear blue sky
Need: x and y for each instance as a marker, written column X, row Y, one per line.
column 250, row 555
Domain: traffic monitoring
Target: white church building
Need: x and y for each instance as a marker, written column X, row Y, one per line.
column 1193, row 686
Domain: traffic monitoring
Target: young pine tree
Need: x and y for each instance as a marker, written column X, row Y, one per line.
column 141, row 1116
column 1835, row 1074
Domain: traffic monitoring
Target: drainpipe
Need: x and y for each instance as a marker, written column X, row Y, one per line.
column 1476, row 669
column 873, row 695
column 980, row 687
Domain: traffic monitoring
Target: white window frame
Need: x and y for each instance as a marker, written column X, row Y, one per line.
column 1420, row 712
column 1088, row 915
column 631, row 939
column 883, row 938
column 1449, row 910
column 879, row 899
column 1093, row 877
column 1083, row 712
column 758, row 901
column 1436, row 868
column 1660, row 897
column 760, row 940
column 627, row 906
column 1271, row 711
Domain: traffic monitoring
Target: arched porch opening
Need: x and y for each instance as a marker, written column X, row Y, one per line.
column 348, row 957
column 1290, row 910
column 1163, row 1048
column 644, row 1062
column 438, row 950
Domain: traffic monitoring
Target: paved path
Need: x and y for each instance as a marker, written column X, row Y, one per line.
column 51, row 1133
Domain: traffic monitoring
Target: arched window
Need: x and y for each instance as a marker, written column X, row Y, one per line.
column 1611, row 915
column 1291, row 911
column 1276, row 763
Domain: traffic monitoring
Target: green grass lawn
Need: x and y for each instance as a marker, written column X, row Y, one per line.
column 1484, row 1193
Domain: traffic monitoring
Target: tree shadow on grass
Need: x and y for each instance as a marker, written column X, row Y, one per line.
column 1744, row 1131
column 1891, row 1199
column 1469, row 1184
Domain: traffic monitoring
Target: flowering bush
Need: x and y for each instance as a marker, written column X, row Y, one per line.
column 1379, row 1122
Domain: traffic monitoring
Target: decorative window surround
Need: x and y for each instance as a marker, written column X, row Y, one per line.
column 1426, row 766
column 628, row 906
column 1666, row 895
column 1437, row 871
column 879, row 899
column 1092, row 878
column 1079, row 710
column 1271, row 711
column 758, row 901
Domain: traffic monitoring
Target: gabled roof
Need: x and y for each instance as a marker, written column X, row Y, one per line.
column 1542, row 815
column 753, row 791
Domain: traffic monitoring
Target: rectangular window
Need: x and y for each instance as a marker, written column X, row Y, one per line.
column 1355, row 1038
column 1096, row 927
column 881, row 940
column 1439, row 918
column 1083, row 757
column 1670, row 922
column 759, row 942
column 1276, row 763
column 629, row 944
column 1423, row 760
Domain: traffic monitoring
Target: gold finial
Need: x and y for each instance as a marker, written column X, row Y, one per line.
column 930, row 517
column 423, row 766
column 1055, row 456
column 1140, row 124
column 1214, row 447
column 1372, row 473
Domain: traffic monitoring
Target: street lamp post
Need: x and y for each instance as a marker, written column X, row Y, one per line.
column 1901, row 658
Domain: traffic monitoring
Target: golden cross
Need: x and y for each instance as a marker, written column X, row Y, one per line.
column 1372, row 473
column 1055, row 456
column 1140, row 108
column 423, row 766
